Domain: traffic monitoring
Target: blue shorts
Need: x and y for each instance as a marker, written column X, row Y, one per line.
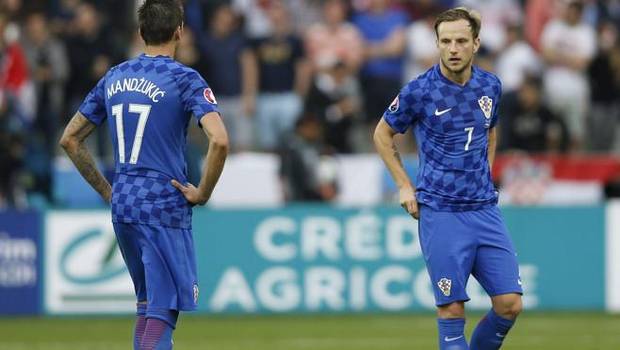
column 162, row 266
column 457, row 244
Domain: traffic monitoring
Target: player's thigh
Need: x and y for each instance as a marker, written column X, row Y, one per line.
column 128, row 237
column 449, row 252
column 496, row 266
column 170, row 267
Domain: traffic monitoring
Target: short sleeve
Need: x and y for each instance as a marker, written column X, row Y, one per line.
column 401, row 114
column 93, row 106
column 196, row 96
column 495, row 115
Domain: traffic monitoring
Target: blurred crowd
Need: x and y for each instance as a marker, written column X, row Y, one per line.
column 307, row 79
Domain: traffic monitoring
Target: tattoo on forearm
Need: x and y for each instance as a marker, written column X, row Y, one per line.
column 85, row 164
column 396, row 154
column 73, row 138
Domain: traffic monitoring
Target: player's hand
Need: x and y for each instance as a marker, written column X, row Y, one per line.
column 409, row 202
column 190, row 192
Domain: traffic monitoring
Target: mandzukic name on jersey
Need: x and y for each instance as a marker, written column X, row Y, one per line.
column 143, row 86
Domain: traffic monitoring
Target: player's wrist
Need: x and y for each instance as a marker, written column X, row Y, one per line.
column 405, row 186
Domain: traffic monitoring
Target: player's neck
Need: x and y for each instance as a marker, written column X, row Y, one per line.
column 460, row 78
column 167, row 49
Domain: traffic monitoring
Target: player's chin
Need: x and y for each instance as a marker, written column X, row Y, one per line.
column 457, row 66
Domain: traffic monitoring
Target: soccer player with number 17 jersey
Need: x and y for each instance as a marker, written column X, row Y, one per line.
column 452, row 109
column 149, row 102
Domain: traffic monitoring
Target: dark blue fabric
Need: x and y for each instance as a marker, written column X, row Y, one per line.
column 222, row 62
column 376, row 28
column 149, row 102
column 451, row 131
column 456, row 245
column 490, row 332
column 277, row 58
column 451, row 334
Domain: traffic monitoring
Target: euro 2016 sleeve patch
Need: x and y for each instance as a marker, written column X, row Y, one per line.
column 394, row 105
column 209, row 96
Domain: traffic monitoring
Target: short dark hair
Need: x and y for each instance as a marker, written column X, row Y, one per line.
column 459, row 13
column 158, row 20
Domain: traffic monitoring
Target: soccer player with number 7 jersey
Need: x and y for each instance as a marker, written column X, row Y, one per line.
column 149, row 102
column 452, row 109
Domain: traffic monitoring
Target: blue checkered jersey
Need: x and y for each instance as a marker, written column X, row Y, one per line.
column 149, row 102
column 451, row 124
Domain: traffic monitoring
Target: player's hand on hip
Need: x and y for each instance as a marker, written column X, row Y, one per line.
column 190, row 192
column 409, row 202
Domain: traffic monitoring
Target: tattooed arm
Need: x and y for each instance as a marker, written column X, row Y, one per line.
column 72, row 142
column 384, row 143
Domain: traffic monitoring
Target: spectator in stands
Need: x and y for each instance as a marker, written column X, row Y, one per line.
column 604, row 76
column 282, row 79
column 516, row 60
column 537, row 14
column 334, row 39
column 231, row 72
column 11, row 155
column 12, row 124
column 305, row 13
column 383, row 29
column 568, row 47
column 307, row 172
column 528, row 124
column 15, row 80
column 497, row 15
column 422, row 9
column 90, row 55
column 421, row 50
column 49, row 69
column 334, row 99
column 61, row 15
column 255, row 17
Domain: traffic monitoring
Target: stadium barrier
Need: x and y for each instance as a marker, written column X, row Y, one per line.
column 304, row 259
column 325, row 259
column 20, row 263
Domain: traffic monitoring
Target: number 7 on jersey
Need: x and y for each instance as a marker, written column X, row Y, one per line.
column 470, row 131
column 143, row 111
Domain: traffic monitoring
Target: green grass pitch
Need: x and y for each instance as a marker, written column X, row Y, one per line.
column 534, row 331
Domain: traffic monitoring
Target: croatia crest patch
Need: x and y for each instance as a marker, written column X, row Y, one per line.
column 195, row 292
column 445, row 285
column 209, row 96
column 486, row 104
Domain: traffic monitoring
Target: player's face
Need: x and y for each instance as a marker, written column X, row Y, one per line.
column 457, row 45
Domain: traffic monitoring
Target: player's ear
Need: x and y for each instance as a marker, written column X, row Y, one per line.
column 476, row 44
column 178, row 33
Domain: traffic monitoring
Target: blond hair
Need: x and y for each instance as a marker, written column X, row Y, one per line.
column 458, row 13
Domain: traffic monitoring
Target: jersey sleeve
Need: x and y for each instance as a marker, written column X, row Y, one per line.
column 196, row 96
column 495, row 115
column 93, row 106
column 401, row 113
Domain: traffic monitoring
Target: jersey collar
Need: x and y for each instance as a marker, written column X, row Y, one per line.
column 474, row 71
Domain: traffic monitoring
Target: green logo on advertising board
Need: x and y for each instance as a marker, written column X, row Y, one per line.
column 106, row 268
